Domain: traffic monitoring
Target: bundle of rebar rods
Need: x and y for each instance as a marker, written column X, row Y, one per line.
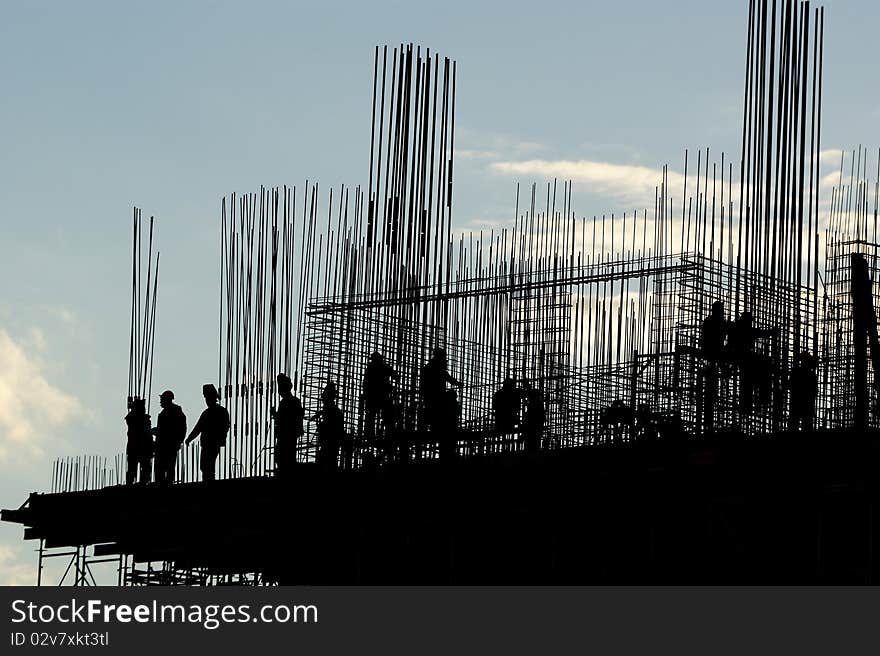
column 144, row 290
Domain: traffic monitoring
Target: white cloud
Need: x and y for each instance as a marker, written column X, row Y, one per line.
column 475, row 154
column 829, row 180
column 487, row 223
column 488, row 145
column 830, row 157
column 30, row 406
column 13, row 571
column 628, row 183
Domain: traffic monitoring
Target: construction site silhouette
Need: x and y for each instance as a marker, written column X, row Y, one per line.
column 682, row 394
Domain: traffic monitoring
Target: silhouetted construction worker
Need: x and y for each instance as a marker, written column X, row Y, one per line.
column 170, row 432
column 288, row 425
column 743, row 336
column 139, row 447
column 378, row 395
column 506, row 404
column 711, row 348
column 331, row 428
column 866, row 343
column 618, row 417
column 432, row 387
column 534, row 418
column 712, row 332
column 803, row 386
column 213, row 426
column 645, row 422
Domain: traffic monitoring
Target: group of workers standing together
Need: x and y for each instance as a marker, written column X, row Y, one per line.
column 730, row 347
column 514, row 410
column 440, row 411
column 520, row 410
column 170, row 435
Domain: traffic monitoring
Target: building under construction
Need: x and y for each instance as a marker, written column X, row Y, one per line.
column 707, row 368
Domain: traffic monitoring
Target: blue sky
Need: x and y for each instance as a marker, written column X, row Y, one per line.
column 170, row 106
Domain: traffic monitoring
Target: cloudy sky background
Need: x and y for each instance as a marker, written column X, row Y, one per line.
column 169, row 106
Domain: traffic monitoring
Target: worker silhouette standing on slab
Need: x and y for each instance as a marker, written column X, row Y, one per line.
column 506, row 404
column 139, row 447
column 377, row 392
column 743, row 338
column 432, row 387
column 331, row 428
column 645, row 425
column 617, row 420
column 288, row 426
column 803, row 386
column 534, row 419
column 866, row 343
column 712, row 333
column 170, row 432
column 213, row 425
